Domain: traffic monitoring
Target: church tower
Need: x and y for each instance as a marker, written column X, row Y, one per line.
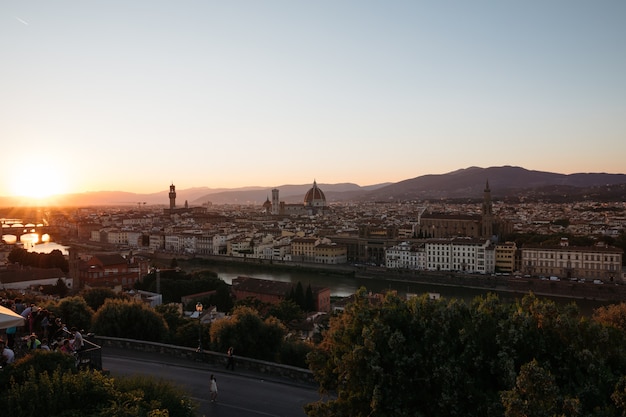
column 487, row 214
column 172, row 197
column 275, row 202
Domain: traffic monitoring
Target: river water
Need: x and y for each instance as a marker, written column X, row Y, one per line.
column 343, row 286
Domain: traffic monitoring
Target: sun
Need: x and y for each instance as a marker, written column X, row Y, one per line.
column 37, row 181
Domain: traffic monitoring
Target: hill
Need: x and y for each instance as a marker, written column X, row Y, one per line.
column 506, row 182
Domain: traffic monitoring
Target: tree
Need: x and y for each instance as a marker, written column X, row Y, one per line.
column 458, row 359
column 60, row 288
column 309, row 300
column 612, row 315
column 285, row 311
column 74, row 312
column 129, row 319
column 95, row 297
column 249, row 334
column 299, row 295
column 535, row 393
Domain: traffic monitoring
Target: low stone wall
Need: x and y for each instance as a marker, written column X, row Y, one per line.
column 209, row 357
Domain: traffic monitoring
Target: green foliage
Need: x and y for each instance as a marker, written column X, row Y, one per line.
column 294, row 353
column 535, row 393
column 173, row 317
column 152, row 395
column 54, row 259
column 176, row 284
column 60, row 288
column 187, row 334
column 56, row 390
column 95, row 297
column 249, row 334
column 74, row 311
column 42, row 361
column 58, row 394
column 129, row 319
column 613, row 315
column 285, row 311
column 459, row 358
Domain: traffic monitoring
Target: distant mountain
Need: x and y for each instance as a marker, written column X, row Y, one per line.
column 506, row 182
column 287, row 193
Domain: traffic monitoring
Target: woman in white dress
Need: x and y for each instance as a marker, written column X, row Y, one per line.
column 213, row 388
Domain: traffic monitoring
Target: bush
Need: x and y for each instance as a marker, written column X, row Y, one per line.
column 42, row 361
column 67, row 393
column 129, row 319
column 294, row 353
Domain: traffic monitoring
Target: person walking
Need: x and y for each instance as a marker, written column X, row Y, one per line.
column 230, row 363
column 213, row 388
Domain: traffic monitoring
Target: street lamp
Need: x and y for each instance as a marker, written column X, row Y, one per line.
column 199, row 310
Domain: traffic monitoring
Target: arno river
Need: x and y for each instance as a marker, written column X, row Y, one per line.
column 342, row 286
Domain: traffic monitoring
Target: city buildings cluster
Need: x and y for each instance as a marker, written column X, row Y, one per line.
column 461, row 237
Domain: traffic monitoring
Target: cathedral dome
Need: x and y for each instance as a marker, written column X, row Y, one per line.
column 315, row 197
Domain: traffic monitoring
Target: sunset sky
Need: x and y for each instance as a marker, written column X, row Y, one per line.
column 135, row 95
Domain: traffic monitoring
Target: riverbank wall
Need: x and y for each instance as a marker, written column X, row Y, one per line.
column 609, row 292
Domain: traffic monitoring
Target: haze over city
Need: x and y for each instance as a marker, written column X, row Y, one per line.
column 132, row 96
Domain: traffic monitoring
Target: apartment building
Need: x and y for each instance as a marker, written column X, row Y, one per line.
column 331, row 254
column 505, row 257
column 459, row 254
column 595, row 263
column 404, row 256
column 303, row 249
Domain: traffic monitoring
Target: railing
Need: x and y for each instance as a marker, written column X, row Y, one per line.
column 209, row 357
column 90, row 357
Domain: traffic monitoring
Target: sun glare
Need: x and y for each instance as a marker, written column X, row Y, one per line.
column 39, row 182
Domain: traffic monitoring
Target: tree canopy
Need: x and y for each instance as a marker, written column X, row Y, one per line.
column 434, row 358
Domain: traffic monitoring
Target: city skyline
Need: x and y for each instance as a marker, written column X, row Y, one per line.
column 129, row 97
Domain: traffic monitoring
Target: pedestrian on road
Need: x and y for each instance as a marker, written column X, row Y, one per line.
column 230, row 364
column 213, row 388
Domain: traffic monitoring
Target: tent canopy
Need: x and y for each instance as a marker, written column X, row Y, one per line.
column 9, row 318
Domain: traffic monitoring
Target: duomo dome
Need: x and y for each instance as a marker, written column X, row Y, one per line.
column 315, row 197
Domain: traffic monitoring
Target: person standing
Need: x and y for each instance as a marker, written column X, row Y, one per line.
column 7, row 356
column 230, row 363
column 213, row 388
column 79, row 344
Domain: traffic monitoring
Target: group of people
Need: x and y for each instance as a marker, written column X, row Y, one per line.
column 42, row 331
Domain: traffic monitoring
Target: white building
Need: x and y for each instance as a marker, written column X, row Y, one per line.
column 459, row 254
column 404, row 256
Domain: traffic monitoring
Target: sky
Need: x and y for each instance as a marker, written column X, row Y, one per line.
column 137, row 95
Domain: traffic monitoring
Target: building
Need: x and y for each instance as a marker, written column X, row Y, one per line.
column 505, row 254
column 112, row 271
column 567, row 262
column 275, row 291
column 483, row 226
column 404, row 256
column 330, row 254
column 459, row 254
column 314, row 202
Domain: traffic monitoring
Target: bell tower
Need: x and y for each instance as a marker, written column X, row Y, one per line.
column 275, row 202
column 487, row 214
column 172, row 196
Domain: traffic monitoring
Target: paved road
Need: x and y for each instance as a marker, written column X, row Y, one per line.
column 240, row 394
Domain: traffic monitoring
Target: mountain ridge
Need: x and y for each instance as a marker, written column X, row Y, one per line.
column 465, row 183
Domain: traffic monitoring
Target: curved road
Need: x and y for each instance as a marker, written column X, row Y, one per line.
column 240, row 393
